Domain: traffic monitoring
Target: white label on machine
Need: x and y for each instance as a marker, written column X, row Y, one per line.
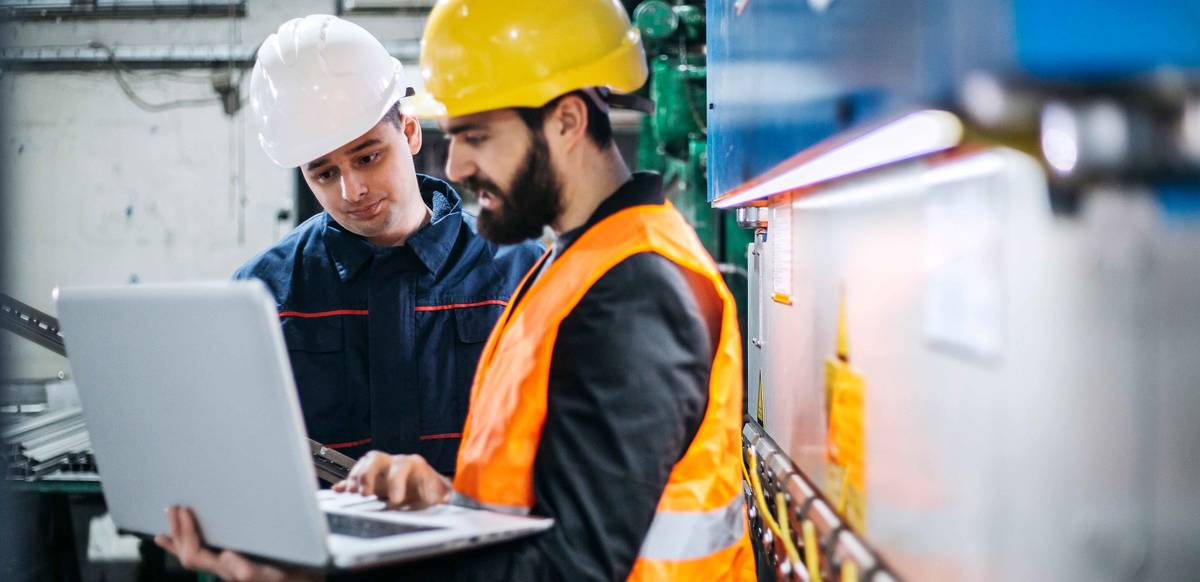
column 780, row 232
column 964, row 293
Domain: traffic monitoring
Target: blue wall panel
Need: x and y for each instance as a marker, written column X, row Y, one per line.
column 782, row 76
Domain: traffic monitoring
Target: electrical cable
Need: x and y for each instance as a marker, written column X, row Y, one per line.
column 849, row 572
column 119, row 71
column 785, row 528
column 764, row 510
column 812, row 551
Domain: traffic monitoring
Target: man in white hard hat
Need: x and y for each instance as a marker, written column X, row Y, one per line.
column 387, row 296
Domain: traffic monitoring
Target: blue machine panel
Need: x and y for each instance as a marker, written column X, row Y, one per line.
column 783, row 75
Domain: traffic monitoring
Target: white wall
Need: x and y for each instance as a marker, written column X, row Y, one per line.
column 102, row 192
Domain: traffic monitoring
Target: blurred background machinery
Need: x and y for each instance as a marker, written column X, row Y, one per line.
column 973, row 287
column 673, row 140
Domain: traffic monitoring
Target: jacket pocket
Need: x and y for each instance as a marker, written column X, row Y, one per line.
column 319, row 334
column 474, row 324
column 316, row 349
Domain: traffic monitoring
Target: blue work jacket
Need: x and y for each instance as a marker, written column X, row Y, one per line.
column 384, row 341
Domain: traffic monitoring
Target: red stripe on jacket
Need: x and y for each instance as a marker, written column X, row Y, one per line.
column 322, row 313
column 349, row 444
column 460, row 305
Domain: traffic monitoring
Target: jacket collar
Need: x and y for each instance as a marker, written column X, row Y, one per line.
column 431, row 244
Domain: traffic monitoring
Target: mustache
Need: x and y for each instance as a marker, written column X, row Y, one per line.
column 479, row 184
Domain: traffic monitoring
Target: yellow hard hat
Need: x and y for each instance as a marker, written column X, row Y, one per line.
column 479, row 55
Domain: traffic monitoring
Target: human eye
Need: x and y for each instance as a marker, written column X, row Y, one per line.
column 325, row 175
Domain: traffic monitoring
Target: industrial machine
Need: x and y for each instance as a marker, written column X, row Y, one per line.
column 974, row 284
column 673, row 138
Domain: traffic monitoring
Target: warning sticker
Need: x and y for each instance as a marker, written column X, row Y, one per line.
column 779, row 229
column 846, row 447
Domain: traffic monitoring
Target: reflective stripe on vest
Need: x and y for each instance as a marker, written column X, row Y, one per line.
column 688, row 535
column 461, row 500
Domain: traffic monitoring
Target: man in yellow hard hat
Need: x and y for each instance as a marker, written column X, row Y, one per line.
column 608, row 396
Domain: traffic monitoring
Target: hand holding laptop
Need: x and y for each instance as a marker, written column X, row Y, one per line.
column 402, row 480
column 185, row 543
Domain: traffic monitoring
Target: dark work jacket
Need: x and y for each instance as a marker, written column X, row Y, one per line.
column 384, row 341
column 627, row 390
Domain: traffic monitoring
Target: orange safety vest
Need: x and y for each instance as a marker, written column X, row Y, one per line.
column 699, row 529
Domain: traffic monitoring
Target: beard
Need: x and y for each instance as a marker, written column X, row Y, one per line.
column 528, row 206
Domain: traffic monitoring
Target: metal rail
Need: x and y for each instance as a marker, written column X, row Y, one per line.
column 838, row 543
column 31, row 324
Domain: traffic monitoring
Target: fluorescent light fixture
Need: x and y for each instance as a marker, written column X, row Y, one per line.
column 910, row 136
column 903, row 183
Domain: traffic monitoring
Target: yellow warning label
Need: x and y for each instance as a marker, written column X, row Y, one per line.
column 846, row 474
column 846, row 450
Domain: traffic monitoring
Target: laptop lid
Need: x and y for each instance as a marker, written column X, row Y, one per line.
column 189, row 399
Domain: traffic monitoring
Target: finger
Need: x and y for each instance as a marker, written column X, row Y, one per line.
column 165, row 542
column 340, row 486
column 188, row 534
column 233, row 566
column 173, row 522
column 192, row 554
column 435, row 490
column 361, row 471
column 396, row 486
column 366, row 481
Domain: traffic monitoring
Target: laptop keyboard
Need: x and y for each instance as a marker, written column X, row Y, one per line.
column 365, row 527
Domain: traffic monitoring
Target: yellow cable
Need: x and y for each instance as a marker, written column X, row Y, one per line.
column 782, row 518
column 849, row 571
column 760, row 502
column 811, row 555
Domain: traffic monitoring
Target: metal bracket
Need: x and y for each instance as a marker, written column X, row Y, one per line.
column 31, row 324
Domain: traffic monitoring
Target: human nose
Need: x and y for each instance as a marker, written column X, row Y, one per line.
column 459, row 164
column 352, row 189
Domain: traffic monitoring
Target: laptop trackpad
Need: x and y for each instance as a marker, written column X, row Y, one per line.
column 365, row 527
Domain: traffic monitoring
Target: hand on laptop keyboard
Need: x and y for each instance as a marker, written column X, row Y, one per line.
column 402, row 480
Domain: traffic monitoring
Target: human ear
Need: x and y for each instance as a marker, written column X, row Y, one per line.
column 412, row 133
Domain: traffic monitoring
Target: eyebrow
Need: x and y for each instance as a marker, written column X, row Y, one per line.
column 364, row 145
column 464, row 127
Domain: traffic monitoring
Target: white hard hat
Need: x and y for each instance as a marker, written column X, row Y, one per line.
column 318, row 83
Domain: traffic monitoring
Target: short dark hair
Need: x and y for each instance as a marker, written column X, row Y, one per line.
column 599, row 127
column 393, row 115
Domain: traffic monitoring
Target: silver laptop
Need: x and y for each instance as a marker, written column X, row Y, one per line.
column 189, row 399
